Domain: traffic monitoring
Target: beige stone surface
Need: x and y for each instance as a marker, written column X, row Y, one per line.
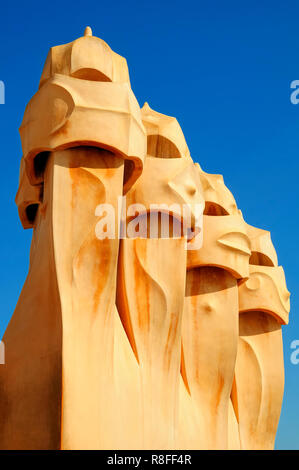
column 259, row 374
column 150, row 322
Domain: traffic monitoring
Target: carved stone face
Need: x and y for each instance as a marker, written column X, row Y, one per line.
column 225, row 245
column 81, row 112
column 172, row 182
column 169, row 181
column 262, row 250
column 219, row 200
column 225, row 241
column 85, row 99
column 265, row 290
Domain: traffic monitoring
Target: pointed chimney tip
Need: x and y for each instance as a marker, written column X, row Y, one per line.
column 88, row 31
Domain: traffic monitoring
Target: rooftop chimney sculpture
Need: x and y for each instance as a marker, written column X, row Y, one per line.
column 141, row 324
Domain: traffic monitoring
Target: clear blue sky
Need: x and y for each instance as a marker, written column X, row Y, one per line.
column 223, row 69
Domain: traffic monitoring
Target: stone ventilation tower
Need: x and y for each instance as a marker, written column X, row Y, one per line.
column 138, row 339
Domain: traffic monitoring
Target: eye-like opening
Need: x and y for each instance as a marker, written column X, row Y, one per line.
column 40, row 163
column 212, row 208
column 31, row 212
column 128, row 170
column 161, row 147
column 260, row 259
column 91, row 75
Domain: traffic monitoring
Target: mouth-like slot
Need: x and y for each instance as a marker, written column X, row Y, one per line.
column 128, row 170
column 40, row 162
column 212, row 208
column 260, row 259
column 31, row 212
